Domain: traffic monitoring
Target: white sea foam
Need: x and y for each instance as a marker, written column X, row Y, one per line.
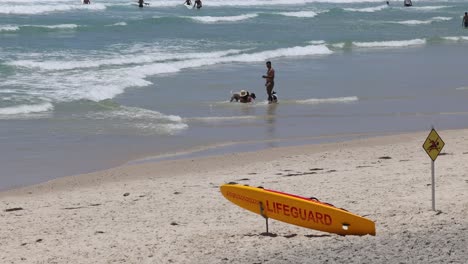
column 340, row 45
column 211, row 19
column 8, row 28
column 167, row 129
column 413, row 22
column 421, row 22
column 310, row 50
column 170, row 62
column 367, row 9
column 132, row 113
column 442, row 18
column 76, row 63
column 426, row 8
column 459, row 38
column 317, row 42
column 348, row 99
column 18, row 27
column 147, row 121
column 119, row 24
column 32, row 8
column 26, row 109
column 305, row 14
column 390, row 44
column 71, row 86
column 61, row 26
column 172, row 67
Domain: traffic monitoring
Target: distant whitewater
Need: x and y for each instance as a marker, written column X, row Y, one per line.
column 33, row 8
column 210, row 19
column 390, row 44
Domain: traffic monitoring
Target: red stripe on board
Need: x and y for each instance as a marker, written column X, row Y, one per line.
column 303, row 198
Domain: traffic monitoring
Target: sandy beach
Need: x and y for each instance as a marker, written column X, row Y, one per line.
column 173, row 211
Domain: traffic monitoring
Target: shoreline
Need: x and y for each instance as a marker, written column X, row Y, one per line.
column 173, row 212
column 164, row 161
column 227, row 148
column 218, row 149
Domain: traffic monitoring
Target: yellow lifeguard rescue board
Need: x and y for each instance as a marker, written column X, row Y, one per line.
column 297, row 210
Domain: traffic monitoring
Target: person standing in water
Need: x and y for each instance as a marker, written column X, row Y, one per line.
column 407, row 3
column 141, row 3
column 86, row 2
column 198, row 4
column 269, row 81
column 465, row 20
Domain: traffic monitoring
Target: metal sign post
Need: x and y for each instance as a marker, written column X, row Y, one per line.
column 262, row 213
column 433, row 146
column 433, row 185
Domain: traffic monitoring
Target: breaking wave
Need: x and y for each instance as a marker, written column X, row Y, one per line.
column 300, row 14
column 33, row 9
column 8, row 28
column 26, row 109
column 459, row 38
column 211, row 19
column 367, row 9
column 390, row 44
column 69, row 78
column 421, row 22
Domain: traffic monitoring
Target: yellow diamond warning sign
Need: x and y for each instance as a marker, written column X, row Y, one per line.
column 433, row 144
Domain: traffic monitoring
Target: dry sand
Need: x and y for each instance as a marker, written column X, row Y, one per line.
column 173, row 212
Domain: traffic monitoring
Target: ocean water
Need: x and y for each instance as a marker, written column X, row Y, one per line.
column 88, row 87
